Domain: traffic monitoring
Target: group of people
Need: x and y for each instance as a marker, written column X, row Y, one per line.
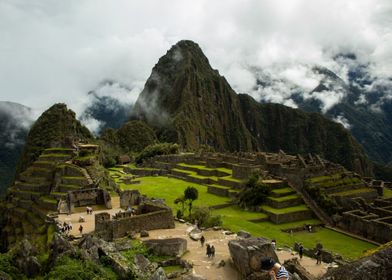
column 65, row 228
column 209, row 248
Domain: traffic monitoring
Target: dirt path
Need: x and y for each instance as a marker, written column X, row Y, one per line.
column 208, row 268
column 202, row 265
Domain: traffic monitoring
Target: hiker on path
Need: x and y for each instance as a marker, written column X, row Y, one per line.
column 212, row 251
column 301, row 251
column 275, row 270
column 318, row 256
column 273, row 243
column 202, row 240
column 81, row 229
column 208, row 250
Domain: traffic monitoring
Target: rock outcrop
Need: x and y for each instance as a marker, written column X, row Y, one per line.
column 247, row 254
column 376, row 266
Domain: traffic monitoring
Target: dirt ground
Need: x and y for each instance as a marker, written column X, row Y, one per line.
column 202, row 265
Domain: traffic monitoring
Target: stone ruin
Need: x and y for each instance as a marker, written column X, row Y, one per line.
column 373, row 221
column 247, row 254
column 148, row 216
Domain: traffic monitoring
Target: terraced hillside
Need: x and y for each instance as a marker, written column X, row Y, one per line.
column 339, row 187
column 39, row 189
column 170, row 180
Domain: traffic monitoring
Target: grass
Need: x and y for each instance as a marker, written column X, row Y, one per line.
column 282, row 190
column 387, row 193
column 172, row 268
column 297, row 208
column 284, row 198
column 237, row 219
column 202, row 167
column 356, row 191
column 171, row 188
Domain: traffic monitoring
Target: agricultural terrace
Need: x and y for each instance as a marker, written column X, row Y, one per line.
column 235, row 218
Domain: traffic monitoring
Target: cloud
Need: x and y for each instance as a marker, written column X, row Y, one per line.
column 343, row 121
column 57, row 51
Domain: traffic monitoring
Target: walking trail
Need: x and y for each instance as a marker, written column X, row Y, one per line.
column 202, row 265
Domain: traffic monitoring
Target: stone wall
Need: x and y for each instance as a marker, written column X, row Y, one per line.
column 129, row 198
column 145, row 172
column 149, row 217
column 243, row 172
column 86, row 197
column 289, row 217
column 368, row 225
column 173, row 247
column 218, row 191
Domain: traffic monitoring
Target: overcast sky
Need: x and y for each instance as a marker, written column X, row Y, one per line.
column 57, row 51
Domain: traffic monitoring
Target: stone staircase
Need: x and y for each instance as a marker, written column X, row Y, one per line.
column 284, row 205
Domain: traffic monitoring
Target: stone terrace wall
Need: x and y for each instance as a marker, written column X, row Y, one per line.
column 85, row 197
column 161, row 217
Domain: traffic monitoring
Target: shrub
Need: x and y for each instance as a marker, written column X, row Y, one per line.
column 254, row 193
column 7, row 265
column 156, row 150
column 204, row 217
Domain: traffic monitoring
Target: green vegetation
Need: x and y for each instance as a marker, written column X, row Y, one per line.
column 190, row 195
column 171, row 188
column 7, row 265
column 172, row 268
column 77, row 269
column 387, row 193
column 254, row 193
column 204, row 218
column 236, row 219
column 138, row 248
column 156, row 150
column 134, row 136
column 301, row 207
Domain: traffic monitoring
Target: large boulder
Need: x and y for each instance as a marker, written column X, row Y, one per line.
column 247, row 254
column 293, row 266
column 376, row 266
column 26, row 259
column 167, row 247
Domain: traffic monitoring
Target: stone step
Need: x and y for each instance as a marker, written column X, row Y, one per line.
column 282, row 192
column 287, row 215
column 66, row 188
column 32, row 179
column 284, row 201
column 48, row 202
column 20, row 212
column 44, row 164
column 67, row 151
column 55, row 157
column 344, row 188
column 27, row 195
column 25, row 204
column 78, row 181
column 59, row 195
column 275, row 184
column 39, row 172
column 23, row 186
column 366, row 193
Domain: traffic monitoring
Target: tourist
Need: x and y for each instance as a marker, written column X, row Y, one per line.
column 87, row 210
column 318, row 256
column 208, row 250
column 273, row 243
column 310, row 228
column 301, row 251
column 275, row 270
column 212, row 251
column 81, row 229
column 202, row 240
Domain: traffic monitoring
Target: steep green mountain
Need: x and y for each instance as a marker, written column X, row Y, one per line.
column 188, row 102
column 56, row 127
column 15, row 121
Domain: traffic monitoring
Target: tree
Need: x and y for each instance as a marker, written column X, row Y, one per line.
column 254, row 193
column 180, row 200
column 190, row 195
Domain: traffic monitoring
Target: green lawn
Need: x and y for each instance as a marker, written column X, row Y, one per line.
column 300, row 207
column 171, row 188
column 282, row 190
column 284, row 198
column 387, row 193
column 206, row 168
column 236, row 219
